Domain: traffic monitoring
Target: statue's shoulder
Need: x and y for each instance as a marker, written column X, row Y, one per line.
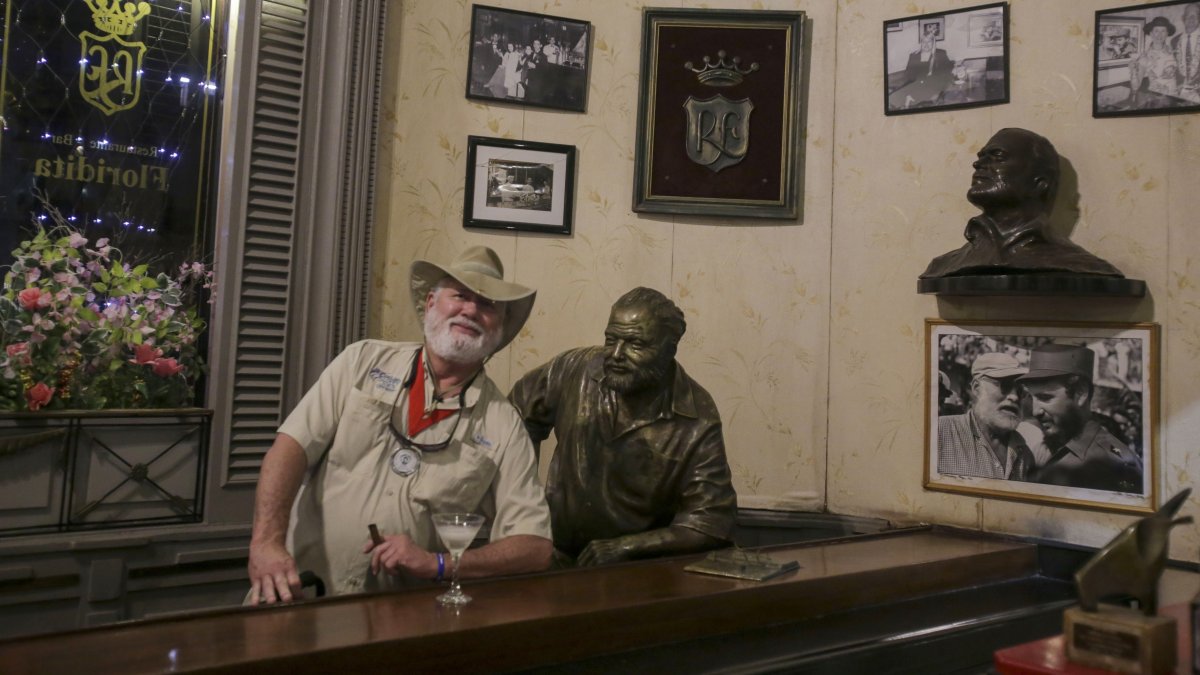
column 688, row 389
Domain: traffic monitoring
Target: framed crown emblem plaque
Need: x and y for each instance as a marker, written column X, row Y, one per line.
column 720, row 128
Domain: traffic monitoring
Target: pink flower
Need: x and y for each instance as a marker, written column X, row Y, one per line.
column 34, row 298
column 17, row 349
column 77, row 240
column 39, row 395
column 145, row 353
column 166, row 367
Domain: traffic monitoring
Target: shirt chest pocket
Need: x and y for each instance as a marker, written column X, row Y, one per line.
column 643, row 473
column 454, row 480
column 362, row 433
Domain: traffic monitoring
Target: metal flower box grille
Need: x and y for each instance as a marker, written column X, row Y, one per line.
column 79, row 470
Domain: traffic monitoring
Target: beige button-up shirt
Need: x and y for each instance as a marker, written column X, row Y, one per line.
column 342, row 424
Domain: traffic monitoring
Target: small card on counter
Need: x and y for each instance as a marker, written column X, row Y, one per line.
column 742, row 564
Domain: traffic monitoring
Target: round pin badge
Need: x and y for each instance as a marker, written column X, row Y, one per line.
column 405, row 461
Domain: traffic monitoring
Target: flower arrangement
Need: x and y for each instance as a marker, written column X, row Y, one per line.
column 81, row 328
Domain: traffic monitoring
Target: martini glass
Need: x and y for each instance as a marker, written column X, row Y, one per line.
column 457, row 530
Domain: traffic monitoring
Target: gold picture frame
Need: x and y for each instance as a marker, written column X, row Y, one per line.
column 1069, row 439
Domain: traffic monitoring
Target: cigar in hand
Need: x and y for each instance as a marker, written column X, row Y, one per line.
column 376, row 538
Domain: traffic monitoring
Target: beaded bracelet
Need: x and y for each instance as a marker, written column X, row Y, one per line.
column 441, row 566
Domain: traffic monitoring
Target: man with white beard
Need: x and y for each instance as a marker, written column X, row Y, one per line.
column 983, row 442
column 393, row 433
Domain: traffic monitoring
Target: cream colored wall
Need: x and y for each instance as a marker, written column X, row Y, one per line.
column 899, row 186
column 808, row 334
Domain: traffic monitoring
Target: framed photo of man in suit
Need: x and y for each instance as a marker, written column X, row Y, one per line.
column 946, row 60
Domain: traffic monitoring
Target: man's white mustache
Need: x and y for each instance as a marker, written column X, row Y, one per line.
column 462, row 321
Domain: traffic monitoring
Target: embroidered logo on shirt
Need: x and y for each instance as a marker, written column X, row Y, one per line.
column 480, row 440
column 385, row 381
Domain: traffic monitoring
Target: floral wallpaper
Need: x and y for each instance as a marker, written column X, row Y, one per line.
column 809, row 334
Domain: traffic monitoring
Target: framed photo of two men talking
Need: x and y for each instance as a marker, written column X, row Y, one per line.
column 1055, row 413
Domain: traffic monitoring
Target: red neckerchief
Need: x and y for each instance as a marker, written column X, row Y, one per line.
column 418, row 419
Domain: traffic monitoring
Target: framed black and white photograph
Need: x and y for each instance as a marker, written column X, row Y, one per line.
column 935, row 26
column 1055, row 413
column 946, row 60
column 519, row 185
column 985, row 30
column 1147, row 59
column 529, row 59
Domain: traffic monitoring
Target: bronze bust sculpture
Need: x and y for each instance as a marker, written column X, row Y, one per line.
column 1015, row 182
column 640, row 467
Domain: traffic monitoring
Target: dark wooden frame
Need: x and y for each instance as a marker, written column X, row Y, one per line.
column 540, row 157
column 1017, row 336
column 765, row 182
column 1104, row 75
column 952, row 95
column 570, row 91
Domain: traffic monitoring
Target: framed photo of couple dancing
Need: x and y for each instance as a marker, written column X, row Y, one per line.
column 528, row 59
column 1147, row 59
column 946, row 60
column 1054, row 413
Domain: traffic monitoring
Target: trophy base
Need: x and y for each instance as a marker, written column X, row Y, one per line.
column 1120, row 640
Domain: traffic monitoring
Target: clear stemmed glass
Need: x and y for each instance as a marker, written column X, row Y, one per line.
column 457, row 530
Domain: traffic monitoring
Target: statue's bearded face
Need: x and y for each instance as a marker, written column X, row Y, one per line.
column 1006, row 173
column 638, row 352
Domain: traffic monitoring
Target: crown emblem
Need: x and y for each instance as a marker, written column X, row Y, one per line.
column 111, row 17
column 721, row 74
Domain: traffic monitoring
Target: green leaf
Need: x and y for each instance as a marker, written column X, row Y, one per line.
column 88, row 314
column 115, row 365
column 139, row 270
column 149, row 284
column 100, row 286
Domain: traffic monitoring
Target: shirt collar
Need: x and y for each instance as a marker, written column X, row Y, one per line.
column 1079, row 445
column 472, row 394
column 983, row 225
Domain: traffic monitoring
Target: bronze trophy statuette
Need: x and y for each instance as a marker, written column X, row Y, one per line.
column 1117, row 638
column 1011, row 247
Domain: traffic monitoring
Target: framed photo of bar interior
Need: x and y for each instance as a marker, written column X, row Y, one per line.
column 1147, row 59
column 1061, row 413
column 529, row 59
column 519, row 185
column 719, row 113
column 946, row 60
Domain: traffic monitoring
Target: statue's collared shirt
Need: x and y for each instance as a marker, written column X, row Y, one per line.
column 1025, row 249
column 342, row 425
column 963, row 450
column 1094, row 459
column 667, row 468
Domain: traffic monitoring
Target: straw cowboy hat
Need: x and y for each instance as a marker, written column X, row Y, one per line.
column 479, row 269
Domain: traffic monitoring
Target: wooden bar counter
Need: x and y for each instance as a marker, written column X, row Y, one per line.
column 536, row 620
